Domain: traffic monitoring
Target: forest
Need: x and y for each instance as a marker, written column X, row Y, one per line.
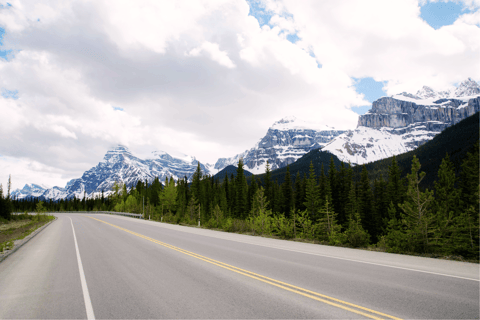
column 335, row 207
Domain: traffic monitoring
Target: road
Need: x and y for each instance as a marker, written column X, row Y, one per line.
column 111, row 267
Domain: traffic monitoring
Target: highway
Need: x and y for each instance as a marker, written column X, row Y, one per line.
column 111, row 267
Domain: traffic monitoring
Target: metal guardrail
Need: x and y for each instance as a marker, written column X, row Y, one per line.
column 126, row 214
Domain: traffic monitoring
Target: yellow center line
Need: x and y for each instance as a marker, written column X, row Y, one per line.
column 289, row 287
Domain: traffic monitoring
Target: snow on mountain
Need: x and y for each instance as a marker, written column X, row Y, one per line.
column 466, row 89
column 286, row 140
column 119, row 164
column 403, row 122
column 28, row 191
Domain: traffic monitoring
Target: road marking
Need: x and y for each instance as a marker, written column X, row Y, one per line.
column 322, row 255
column 301, row 291
column 86, row 295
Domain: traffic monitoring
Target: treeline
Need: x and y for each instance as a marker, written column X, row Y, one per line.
column 333, row 207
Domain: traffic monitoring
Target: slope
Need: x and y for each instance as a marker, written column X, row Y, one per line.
column 456, row 140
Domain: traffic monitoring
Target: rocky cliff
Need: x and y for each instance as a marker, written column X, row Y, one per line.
column 391, row 112
column 403, row 122
column 286, row 141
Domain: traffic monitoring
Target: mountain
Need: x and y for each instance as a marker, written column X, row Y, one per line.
column 29, row 191
column 119, row 164
column 317, row 157
column 285, row 142
column 456, row 140
column 403, row 122
column 229, row 170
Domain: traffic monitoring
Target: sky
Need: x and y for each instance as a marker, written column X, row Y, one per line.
column 207, row 78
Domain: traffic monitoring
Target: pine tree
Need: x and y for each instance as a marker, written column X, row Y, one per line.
column 196, row 186
column 416, row 210
column 287, row 194
column 312, row 201
column 446, row 205
column 334, row 185
column 366, row 206
column 395, row 187
column 323, row 187
column 381, row 204
column 299, row 194
column 268, row 185
column 469, row 180
column 240, row 192
column 329, row 228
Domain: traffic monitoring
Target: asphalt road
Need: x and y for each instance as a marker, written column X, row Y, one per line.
column 112, row 267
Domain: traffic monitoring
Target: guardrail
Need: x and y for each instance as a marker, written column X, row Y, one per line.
column 127, row 214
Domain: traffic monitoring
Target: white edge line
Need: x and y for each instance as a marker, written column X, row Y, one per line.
column 327, row 256
column 86, row 295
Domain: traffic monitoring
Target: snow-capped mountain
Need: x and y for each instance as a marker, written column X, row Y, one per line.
column 286, row 140
column 28, row 191
column 119, row 164
column 403, row 122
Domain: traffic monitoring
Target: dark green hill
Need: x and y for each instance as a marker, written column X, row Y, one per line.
column 229, row 170
column 302, row 165
column 456, row 140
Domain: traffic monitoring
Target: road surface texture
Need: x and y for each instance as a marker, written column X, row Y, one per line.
column 110, row 267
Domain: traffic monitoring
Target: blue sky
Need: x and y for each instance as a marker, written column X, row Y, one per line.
column 439, row 14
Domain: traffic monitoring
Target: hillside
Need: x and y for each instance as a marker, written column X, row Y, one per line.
column 229, row 170
column 302, row 165
column 456, row 140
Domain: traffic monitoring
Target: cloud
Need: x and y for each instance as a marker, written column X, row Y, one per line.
column 214, row 52
column 204, row 78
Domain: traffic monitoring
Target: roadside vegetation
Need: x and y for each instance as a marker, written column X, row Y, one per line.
column 18, row 226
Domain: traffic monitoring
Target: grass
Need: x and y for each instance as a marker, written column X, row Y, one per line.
column 19, row 229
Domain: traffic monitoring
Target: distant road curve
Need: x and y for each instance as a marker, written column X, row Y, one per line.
column 113, row 267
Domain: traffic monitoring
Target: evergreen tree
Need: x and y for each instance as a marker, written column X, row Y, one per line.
column 268, row 185
column 469, row 180
column 446, row 204
column 240, row 192
column 287, row 194
column 196, row 188
column 323, row 187
column 381, row 204
column 5, row 205
column 395, row 187
column 366, row 206
column 334, row 185
column 299, row 194
column 416, row 210
column 329, row 228
column 312, row 201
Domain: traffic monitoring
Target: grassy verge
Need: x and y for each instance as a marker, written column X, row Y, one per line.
column 20, row 227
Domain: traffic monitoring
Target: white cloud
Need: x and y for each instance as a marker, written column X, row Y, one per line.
column 214, row 52
column 202, row 77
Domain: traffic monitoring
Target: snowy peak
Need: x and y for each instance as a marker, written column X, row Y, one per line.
column 286, row 141
column 403, row 122
column 29, row 190
column 468, row 88
column 117, row 153
column 119, row 165
column 178, row 156
column 292, row 123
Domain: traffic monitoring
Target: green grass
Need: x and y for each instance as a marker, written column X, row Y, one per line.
column 19, row 229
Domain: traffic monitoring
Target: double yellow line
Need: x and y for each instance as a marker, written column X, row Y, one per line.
column 301, row 291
